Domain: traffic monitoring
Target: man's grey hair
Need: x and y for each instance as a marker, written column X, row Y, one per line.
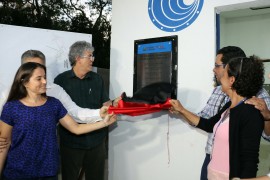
column 77, row 50
column 33, row 54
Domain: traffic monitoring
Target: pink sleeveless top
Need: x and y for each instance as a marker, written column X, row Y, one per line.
column 218, row 167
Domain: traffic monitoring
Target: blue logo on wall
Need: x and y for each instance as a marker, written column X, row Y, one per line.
column 173, row 15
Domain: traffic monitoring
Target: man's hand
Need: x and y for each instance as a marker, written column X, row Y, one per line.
column 260, row 105
column 113, row 103
column 116, row 100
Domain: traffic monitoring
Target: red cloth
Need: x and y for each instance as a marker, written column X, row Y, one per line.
column 136, row 109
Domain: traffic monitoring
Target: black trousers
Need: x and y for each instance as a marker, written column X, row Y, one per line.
column 41, row 178
column 91, row 160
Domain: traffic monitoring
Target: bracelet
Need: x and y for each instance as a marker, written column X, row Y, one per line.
column 112, row 102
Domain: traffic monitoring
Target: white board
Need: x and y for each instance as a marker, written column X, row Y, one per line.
column 14, row 40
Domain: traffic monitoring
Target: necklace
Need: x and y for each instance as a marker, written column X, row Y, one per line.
column 243, row 100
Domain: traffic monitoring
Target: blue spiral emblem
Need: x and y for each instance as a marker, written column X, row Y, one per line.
column 173, row 15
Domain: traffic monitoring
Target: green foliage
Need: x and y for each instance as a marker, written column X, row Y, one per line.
column 90, row 16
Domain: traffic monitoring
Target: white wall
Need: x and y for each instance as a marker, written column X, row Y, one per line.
column 250, row 33
column 14, row 40
column 159, row 146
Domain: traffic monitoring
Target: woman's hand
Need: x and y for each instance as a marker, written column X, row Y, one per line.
column 176, row 106
column 3, row 144
column 103, row 111
column 109, row 119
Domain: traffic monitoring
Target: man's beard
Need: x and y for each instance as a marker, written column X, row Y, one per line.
column 216, row 82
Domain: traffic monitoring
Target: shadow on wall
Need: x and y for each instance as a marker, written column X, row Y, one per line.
column 105, row 74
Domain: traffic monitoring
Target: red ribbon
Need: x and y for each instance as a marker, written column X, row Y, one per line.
column 136, row 109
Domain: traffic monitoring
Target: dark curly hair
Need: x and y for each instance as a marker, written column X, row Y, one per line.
column 249, row 75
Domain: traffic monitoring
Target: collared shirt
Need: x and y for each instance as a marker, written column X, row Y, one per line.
column 88, row 92
column 216, row 101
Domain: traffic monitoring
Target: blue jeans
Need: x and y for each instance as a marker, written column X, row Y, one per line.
column 204, row 167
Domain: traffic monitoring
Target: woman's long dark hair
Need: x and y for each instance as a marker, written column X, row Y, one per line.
column 23, row 74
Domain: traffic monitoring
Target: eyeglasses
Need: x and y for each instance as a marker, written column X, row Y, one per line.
column 91, row 57
column 218, row 65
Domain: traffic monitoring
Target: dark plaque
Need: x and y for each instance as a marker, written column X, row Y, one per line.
column 155, row 60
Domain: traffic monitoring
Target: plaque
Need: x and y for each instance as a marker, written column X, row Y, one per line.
column 155, row 60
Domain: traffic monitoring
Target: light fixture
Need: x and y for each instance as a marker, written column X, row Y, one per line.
column 259, row 8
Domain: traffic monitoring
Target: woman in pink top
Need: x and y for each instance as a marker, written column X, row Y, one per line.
column 237, row 128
